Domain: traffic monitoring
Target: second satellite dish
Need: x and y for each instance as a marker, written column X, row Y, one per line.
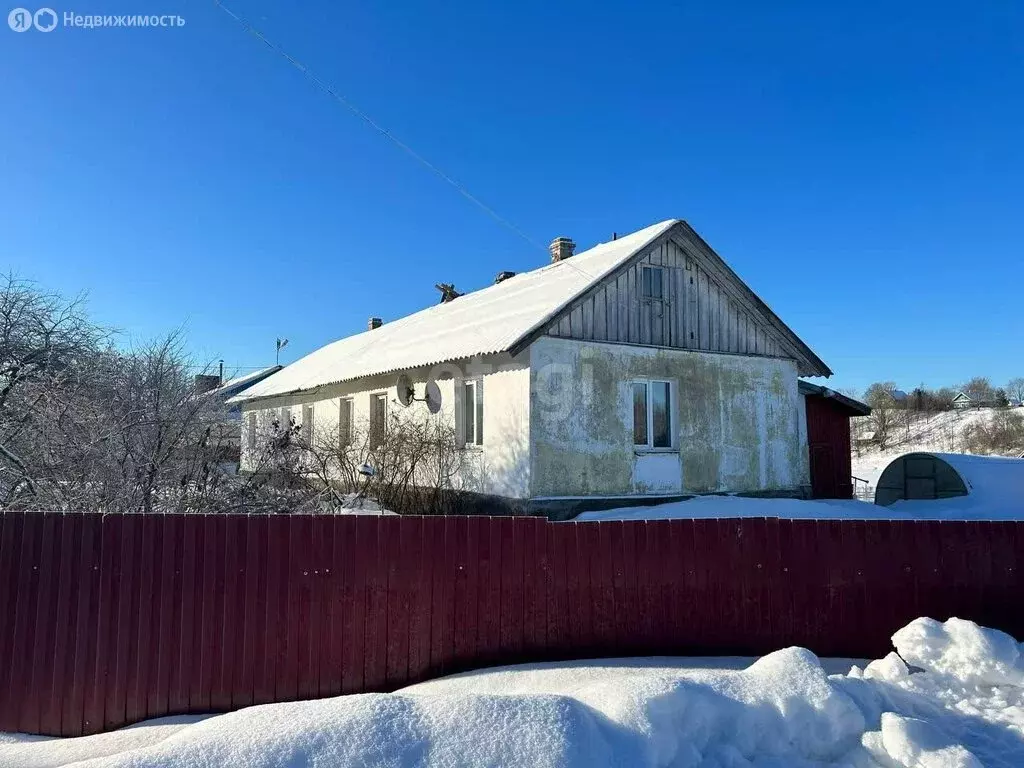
column 433, row 396
column 406, row 393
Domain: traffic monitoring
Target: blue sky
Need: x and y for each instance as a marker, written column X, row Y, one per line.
column 860, row 167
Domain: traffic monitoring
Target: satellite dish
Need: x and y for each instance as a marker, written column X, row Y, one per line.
column 406, row 393
column 433, row 396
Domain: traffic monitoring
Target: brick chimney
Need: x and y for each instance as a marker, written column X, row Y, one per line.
column 205, row 382
column 561, row 248
column 374, row 322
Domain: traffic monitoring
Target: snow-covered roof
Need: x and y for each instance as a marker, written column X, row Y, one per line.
column 239, row 383
column 494, row 319
column 482, row 322
column 989, row 476
column 995, row 484
column 962, row 396
column 852, row 406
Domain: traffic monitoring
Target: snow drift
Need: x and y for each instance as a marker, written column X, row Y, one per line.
column 951, row 696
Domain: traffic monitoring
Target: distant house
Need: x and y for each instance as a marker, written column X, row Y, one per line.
column 963, row 400
column 642, row 366
column 230, row 432
column 866, row 438
column 228, row 389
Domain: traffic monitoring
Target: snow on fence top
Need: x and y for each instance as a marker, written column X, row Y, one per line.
column 992, row 483
column 487, row 321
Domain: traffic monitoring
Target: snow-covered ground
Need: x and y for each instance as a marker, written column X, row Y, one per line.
column 942, row 432
column 960, row 703
column 796, row 509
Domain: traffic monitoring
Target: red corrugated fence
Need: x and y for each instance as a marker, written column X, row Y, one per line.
column 107, row 620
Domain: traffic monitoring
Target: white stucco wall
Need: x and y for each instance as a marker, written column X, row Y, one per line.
column 736, row 420
column 500, row 466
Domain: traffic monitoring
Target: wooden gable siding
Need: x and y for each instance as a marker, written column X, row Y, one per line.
column 700, row 310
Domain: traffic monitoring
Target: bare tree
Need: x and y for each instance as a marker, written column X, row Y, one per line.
column 1015, row 388
column 48, row 348
column 86, row 426
column 979, row 388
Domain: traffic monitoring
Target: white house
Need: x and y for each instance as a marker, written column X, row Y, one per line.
column 963, row 400
column 641, row 366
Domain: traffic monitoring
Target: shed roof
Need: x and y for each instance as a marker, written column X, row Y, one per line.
column 495, row 319
column 240, row 383
column 850, row 405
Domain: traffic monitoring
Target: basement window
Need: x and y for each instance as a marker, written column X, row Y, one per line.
column 652, row 414
column 473, row 413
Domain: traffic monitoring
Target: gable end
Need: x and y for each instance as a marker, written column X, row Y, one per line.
column 678, row 293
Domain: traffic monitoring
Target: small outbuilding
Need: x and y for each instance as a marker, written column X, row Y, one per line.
column 828, row 415
column 994, row 482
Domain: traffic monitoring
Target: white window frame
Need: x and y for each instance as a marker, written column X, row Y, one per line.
column 649, row 446
column 476, row 440
column 346, row 439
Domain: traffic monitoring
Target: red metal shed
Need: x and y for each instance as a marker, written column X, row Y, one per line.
column 828, row 440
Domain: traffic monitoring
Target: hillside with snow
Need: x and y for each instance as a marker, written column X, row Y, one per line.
column 929, row 432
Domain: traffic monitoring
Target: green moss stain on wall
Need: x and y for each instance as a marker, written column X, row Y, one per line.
column 734, row 419
column 560, row 471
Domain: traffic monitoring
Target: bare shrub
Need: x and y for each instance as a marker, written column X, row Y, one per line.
column 414, row 467
column 1003, row 434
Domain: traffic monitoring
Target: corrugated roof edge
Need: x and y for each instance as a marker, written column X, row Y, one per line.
column 859, row 408
column 241, row 397
column 665, row 231
column 515, row 347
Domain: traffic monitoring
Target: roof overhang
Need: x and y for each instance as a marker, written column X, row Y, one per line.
column 850, row 405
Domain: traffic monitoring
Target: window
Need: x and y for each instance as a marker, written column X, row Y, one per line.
column 652, row 414
column 284, row 420
column 250, row 430
column 654, row 305
column 473, row 413
column 307, row 423
column 378, row 413
column 652, row 282
column 345, row 422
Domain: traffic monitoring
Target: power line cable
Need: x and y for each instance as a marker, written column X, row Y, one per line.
column 331, row 91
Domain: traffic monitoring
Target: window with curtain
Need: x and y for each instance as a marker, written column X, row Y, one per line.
column 652, row 414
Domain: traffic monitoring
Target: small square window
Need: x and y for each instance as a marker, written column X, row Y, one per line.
column 652, row 282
